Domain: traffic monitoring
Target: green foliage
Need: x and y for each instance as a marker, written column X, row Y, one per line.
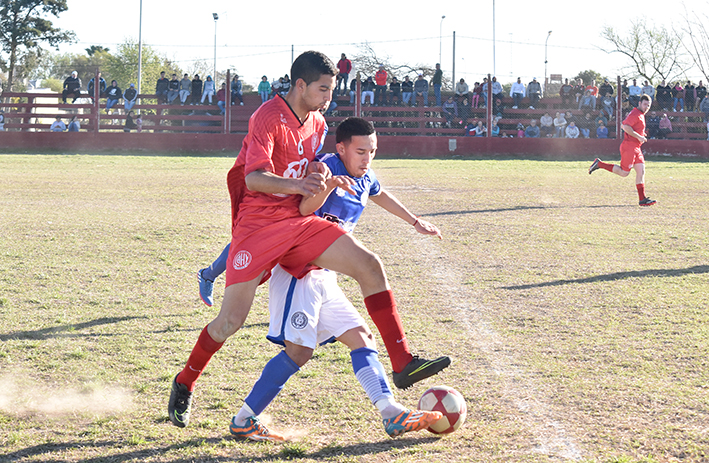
column 123, row 66
column 589, row 75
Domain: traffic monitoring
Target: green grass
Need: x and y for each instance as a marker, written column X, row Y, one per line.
column 577, row 320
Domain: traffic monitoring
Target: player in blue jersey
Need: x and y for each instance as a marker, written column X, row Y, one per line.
column 313, row 310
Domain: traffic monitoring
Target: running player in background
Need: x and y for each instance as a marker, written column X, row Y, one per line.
column 269, row 178
column 313, row 310
column 631, row 157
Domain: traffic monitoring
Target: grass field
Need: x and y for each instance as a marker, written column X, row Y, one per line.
column 577, row 320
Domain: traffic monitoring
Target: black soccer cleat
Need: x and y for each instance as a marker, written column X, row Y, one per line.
column 180, row 404
column 419, row 369
column 594, row 166
column 647, row 202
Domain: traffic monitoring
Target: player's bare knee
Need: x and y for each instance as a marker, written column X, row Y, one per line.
column 299, row 354
column 624, row 173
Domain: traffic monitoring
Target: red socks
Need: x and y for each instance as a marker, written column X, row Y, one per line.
column 605, row 165
column 382, row 309
column 641, row 190
column 202, row 353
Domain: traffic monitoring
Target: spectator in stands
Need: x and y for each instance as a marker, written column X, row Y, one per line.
column 74, row 125
column 594, row 92
column 634, row 92
column 678, row 97
column 331, row 107
column 690, row 95
column 285, row 85
column 546, row 123
column 101, row 87
column 570, row 117
column 498, row 108
column 344, row 66
column 196, row 89
column 113, row 95
column 605, row 89
column 368, row 87
column 237, row 91
column 470, row 128
column 566, row 94
column 560, row 125
column 495, row 129
column 437, row 82
column 588, row 101
column 701, row 91
column 173, row 89
column 608, row 106
column 496, row 90
column 72, row 86
column 461, row 90
column 534, row 92
column 601, row 119
column 484, row 92
column 130, row 123
column 579, row 89
column 276, row 87
column 407, row 91
column 664, row 96
column 571, row 130
column 264, row 88
column 221, row 99
column 353, row 90
column 624, row 87
column 517, row 92
column 58, row 125
column 704, row 106
column 139, row 123
column 602, row 131
column 652, row 125
column 161, row 88
column 586, row 124
column 665, row 127
column 477, row 91
column 464, row 112
column 2, row 120
column 480, row 129
column 532, row 130
column 520, row 130
column 185, row 89
column 130, row 96
column 395, row 91
column 450, row 110
column 624, row 104
column 380, row 91
column 649, row 90
column 421, row 88
column 208, row 90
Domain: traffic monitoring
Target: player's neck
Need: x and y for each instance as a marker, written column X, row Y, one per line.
column 297, row 106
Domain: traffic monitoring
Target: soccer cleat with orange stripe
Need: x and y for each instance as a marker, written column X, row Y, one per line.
column 254, row 430
column 410, row 420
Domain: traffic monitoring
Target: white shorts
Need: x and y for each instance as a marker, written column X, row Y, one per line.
column 309, row 311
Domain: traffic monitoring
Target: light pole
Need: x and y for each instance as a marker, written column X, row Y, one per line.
column 140, row 47
column 545, row 63
column 440, row 38
column 215, row 16
column 494, row 71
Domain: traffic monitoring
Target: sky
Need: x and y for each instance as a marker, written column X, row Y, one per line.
column 255, row 39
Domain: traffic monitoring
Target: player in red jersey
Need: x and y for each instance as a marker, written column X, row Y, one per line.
column 631, row 157
column 272, row 173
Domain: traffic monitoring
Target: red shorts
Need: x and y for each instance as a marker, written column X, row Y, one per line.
column 293, row 242
column 630, row 155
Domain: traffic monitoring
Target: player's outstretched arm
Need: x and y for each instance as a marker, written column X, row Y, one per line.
column 391, row 204
column 310, row 204
column 268, row 182
column 630, row 131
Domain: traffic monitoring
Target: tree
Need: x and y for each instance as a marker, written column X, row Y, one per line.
column 654, row 52
column 23, row 28
column 589, row 75
column 94, row 49
column 695, row 40
column 123, row 66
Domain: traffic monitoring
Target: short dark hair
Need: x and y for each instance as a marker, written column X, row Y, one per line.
column 310, row 66
column 645, row 97
column 352, row 127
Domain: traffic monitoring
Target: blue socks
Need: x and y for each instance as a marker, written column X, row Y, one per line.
column 218, row 266
column 370, row 373
column 273, row 377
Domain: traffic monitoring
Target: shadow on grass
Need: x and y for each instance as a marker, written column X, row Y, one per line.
column 619, row 276
column 525, row 208
column 63, row 330
column 280, row 451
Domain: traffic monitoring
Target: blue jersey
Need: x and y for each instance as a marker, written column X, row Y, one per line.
column 341, row 206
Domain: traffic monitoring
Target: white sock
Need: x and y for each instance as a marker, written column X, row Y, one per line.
column 243, row 414
column 389, row 408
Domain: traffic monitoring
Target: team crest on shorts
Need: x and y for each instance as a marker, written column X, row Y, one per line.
column 242, row 259
column 299, row 320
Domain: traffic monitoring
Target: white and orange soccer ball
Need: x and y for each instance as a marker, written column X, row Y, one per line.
column 448, row 401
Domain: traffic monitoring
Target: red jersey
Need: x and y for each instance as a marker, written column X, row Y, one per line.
column 380, row 77
column 278, row 143
column 344, row 66
column 636, row 120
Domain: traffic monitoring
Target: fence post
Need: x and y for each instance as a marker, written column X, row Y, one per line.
column 488, row 107
column 618, row 111
column 227, row 104
column 358, row 96
column 96, row 119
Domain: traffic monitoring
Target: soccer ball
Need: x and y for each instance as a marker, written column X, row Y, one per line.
column 448, row 401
